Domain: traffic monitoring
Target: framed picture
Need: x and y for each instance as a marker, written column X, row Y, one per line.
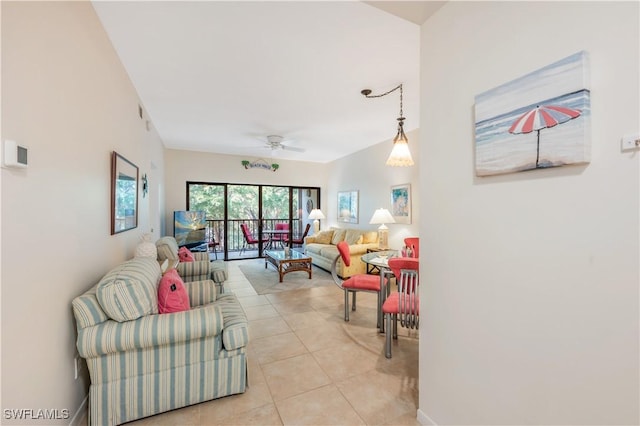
column 124, row 194
column 537, row 121
column 348, row 206
column 401, row 203
column 190, row 228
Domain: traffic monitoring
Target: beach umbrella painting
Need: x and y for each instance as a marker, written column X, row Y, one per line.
column 542, row 117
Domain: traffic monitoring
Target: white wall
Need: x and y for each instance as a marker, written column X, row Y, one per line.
column 530, row 280
column 366, row 172
column 183, row 166
column 67, row 98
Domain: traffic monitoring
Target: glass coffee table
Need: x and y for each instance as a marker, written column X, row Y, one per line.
column 285, row 263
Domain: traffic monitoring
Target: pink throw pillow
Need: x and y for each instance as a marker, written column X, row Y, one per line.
column 185, row 255
column 172, row 294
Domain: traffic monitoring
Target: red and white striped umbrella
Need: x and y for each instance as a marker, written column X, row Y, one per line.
column 542, row 117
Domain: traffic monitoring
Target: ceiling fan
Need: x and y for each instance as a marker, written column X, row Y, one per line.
column 275, row 143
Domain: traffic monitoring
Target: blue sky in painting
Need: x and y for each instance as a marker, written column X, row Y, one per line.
column 564, row 76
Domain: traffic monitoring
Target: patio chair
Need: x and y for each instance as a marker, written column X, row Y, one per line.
column 298, row 240
column 279, row 238
column 248, row 238
column 404, row 304
column 355, row 283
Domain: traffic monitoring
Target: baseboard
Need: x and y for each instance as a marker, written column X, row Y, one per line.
column 425, row 420
column 80, row 412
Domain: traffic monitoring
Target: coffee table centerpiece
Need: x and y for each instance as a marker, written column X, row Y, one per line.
column 289, row 261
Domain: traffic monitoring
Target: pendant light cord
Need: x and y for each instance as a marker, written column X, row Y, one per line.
column 367, row 94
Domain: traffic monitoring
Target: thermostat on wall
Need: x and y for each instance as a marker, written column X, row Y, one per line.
column 14, row 155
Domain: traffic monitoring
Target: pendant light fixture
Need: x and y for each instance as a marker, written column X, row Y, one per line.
column 400, row 155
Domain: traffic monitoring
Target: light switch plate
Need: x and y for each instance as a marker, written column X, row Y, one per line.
column 631, row 142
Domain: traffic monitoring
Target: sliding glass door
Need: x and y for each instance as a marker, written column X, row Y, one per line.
column 261, row 208
column 243, row 203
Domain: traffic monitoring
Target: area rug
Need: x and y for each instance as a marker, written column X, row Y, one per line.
column 265, row 281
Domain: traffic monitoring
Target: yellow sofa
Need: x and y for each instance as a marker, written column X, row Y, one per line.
column 322, row 249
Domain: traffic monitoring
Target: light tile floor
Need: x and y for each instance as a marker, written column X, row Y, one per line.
column 309, row 367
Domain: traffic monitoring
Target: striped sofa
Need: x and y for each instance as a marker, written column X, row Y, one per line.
column 143, row 363
column 201, row 269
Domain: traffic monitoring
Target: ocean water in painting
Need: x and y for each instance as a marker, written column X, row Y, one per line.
column 560, row 84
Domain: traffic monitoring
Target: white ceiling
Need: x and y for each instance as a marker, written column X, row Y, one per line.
column 220, row 76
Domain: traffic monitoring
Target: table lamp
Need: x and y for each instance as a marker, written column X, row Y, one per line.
column 382, row 216
column 316, row 214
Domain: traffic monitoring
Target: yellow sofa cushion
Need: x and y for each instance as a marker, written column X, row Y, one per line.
column 370, row 237
column 353, row 236
column 324, row 237
column 338, row 235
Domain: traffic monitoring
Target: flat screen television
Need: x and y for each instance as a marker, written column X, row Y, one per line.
column 189, row 228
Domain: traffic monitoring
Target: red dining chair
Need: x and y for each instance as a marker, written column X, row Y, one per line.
column 298, row 240
column 404, row 304
column 414, row 244
column 355, row 283
column 248, row 238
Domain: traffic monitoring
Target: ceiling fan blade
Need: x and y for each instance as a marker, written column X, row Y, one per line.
column 293, row 148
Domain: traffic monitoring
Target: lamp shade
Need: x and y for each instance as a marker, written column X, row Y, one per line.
column 381, row 216
column 316, row 214
column 400, row 155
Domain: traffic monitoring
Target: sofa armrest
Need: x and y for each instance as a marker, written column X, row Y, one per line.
column 149, row 331
column 236, row 329
column 193, row 269
column 201, row 292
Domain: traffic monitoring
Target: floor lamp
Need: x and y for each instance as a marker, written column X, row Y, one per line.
column 316, row 215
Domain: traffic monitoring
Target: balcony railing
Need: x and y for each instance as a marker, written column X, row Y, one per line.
column 233, row 239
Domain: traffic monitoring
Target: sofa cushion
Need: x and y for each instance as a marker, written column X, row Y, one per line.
column 338, row 235
column 329, row 252
column 353, row 236
column 185, row 255
column 324, row 237
column 314, row 248
column 128, row 291
column 87, row 309
column 172, row 294
column 370, row 237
